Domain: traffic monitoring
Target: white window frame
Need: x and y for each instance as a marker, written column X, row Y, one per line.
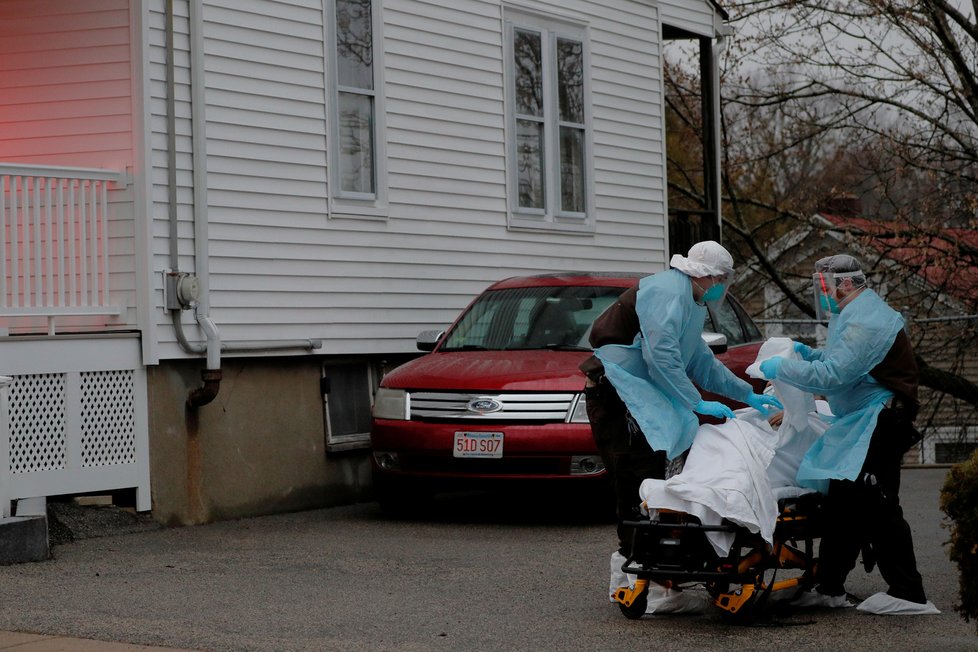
column 551, row 218
column 344, row 203
column 356, row 440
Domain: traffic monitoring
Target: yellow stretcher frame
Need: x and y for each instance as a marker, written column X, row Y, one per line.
column 737, row 584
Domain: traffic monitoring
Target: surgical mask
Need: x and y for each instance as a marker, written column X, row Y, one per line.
column 715, row 293
column 829, row 304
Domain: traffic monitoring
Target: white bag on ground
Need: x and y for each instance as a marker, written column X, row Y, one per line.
column 884, row 604
column 670, row 601
column 619, row 578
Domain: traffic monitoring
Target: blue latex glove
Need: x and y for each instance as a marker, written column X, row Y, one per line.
column 714, row 409
column 770, row 367
column 802, row 349
column 760, row 402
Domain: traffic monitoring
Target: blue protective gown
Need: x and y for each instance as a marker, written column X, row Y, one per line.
column 652, row 375
column 858, row 340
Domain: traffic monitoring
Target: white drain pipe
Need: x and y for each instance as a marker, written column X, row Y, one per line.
column 212, row 346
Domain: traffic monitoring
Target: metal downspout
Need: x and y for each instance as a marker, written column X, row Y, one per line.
column 213, row 346
column 171, row 139
column 211, row 381
column 211, row 375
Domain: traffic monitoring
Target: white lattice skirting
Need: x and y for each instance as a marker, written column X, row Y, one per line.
column 74, row 430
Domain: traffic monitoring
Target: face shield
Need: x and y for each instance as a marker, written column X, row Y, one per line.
column 831, row 288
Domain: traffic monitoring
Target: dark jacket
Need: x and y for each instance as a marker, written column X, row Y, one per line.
column 898, row 372
column 618, row 324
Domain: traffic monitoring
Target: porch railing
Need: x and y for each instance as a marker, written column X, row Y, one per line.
column 54, row 254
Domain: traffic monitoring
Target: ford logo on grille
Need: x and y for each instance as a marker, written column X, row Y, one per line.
column 484, row 405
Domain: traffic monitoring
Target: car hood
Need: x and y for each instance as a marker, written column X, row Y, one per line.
column 492, row 370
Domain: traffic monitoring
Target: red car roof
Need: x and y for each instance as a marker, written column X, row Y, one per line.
column 558, row 279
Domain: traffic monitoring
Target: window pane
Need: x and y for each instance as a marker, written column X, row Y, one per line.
column 348, row 399
column 570, row 80
column 572, row 169
column 529, row 159
column 528, row 62
column 354, row 44
column 727, row 323
column 356, row 143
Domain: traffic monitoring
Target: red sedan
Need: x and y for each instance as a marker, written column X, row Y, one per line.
column 499, row 398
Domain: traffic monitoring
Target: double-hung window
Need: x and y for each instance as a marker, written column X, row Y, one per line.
column 548, row 158
column 356, row 161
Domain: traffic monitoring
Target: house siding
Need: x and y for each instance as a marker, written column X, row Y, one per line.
column 283, row 267
column 71, row 106
column 697, row 17
column 86, row 84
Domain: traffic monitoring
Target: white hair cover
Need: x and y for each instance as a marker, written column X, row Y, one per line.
column 707, row 258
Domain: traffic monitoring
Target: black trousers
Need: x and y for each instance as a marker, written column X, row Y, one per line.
column 868, row 510
column 626, row 454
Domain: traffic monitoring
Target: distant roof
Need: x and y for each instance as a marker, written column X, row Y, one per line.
column 934, row 256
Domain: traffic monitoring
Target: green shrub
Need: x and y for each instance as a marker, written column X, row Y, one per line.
column 959, row 500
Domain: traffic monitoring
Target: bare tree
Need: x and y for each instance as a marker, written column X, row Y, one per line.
column 876, row 99
column 893, row 73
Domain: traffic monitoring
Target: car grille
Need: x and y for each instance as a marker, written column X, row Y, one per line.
column 491, row 407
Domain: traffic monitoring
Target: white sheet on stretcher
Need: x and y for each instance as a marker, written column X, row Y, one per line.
column 739, row 469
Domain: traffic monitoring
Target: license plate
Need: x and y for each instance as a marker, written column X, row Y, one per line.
column 478, row 444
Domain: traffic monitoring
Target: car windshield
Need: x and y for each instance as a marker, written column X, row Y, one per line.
column 531, row 318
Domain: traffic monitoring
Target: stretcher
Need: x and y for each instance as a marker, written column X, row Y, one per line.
column 672, row 550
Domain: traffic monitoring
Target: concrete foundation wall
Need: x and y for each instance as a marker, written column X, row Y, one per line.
column 257, row 448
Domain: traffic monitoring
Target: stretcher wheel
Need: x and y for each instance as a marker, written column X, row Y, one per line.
column 746, row 610
column 744, row 605
column 637, row 609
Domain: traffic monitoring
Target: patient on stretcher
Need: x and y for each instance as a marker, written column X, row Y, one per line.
column 739, row 470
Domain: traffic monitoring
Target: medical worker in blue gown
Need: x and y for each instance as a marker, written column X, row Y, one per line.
column 653, row 374
column 868, row 375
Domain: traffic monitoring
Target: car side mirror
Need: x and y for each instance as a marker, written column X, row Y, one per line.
column 716, row 341
column 428, row 340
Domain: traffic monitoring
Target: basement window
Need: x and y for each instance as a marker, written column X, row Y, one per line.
column 348, row 388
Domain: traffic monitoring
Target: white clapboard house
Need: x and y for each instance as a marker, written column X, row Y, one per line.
column 221, row 220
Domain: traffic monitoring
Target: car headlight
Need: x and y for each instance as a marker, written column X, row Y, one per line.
column 578, row 410
column 391, row 404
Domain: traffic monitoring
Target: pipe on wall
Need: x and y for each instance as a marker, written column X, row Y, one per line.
column 212, row 346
